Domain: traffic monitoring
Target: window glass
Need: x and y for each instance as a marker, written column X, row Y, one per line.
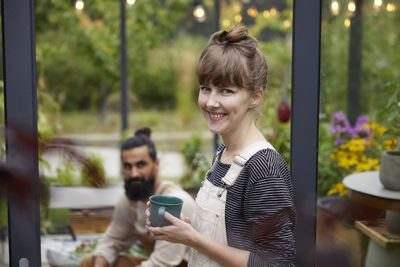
column 359, row 120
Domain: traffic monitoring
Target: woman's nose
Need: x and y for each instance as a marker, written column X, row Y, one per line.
column 212, row 100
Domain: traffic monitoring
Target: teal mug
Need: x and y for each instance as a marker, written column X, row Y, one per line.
column 159, row 204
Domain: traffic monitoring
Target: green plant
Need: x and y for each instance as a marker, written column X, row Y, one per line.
column 195, row 160
column 357, row 148
column 328, row 172
column 92, row 171
column 66, row 174
column 391, row 113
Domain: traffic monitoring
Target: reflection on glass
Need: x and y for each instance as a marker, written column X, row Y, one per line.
column 351, row 6
column 335, row 7
column 4, row 258
column 359, row 89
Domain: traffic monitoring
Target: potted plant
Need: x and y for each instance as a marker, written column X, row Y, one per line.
column 389, row 173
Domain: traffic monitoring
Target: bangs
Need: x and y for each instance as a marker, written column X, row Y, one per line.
column 222, row 68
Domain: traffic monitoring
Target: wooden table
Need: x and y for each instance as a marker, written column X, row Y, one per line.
column 384, row 246
column 366, row 187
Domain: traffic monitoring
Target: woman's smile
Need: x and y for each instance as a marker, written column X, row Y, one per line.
column 216, row 116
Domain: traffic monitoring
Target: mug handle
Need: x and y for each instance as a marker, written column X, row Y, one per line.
column 161, row 211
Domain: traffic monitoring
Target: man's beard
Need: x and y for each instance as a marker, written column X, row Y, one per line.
column 139, row 188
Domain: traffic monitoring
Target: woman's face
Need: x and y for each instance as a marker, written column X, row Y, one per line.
column 226, row 109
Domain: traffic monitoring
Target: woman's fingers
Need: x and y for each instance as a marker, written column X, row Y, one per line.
column 171, row 218
column 147, row 212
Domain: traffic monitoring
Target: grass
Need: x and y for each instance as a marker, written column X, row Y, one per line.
column 158, row 121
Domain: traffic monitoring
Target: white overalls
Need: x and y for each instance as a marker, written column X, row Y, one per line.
column 209, row 215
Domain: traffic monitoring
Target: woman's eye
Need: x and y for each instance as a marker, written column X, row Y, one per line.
column 227, row 91
column 205, row 89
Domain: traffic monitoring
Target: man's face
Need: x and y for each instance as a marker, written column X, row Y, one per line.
column 140, row 172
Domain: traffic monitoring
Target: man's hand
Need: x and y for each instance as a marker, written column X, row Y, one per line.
column 100, row 261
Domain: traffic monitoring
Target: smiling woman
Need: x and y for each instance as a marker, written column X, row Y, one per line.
column 244, row 212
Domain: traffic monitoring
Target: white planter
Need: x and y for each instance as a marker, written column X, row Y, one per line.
column 389, row 173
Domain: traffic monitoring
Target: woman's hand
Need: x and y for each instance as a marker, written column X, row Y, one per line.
column 181, row 231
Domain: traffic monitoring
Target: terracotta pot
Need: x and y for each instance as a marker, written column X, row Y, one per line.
column 389, row 173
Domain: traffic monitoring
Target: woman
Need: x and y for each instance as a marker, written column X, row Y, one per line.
column 244, row 213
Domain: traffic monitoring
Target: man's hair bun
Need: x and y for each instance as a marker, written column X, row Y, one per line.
column 143, row 131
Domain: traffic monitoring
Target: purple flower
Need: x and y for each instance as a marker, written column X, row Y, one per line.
column 340, row 124
column 361, row 120
column 339, row 141
column 359, row 127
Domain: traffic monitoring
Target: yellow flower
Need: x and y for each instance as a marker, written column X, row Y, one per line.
column 337, row 188
column 375, row 127
column 390, row 144
column 347, row 160
column 357, row 145
column 367, row 164
column 380, row 129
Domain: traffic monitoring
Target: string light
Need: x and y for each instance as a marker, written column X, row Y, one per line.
column 130, row 2
column 199, row 13
column 347, row 23
column 238, row 18
column 266, row 14
column 79, row 5
column 273, row 11
column 351, row 6
column 226, row 23
column 377, row 4
column 335, row 7
column 287, row 23
column 390, row 7
column 252, row 12
column 237, row 8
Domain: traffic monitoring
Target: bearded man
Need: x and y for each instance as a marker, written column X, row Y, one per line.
column 140, row 164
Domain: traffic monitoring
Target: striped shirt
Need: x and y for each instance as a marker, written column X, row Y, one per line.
column 260, row 214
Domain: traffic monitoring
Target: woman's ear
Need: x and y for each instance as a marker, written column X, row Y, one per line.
column 256, row 98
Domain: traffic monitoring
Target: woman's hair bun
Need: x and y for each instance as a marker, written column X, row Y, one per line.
column 143, row 131
column 236, row 34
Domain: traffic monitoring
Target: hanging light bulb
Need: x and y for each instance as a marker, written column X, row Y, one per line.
column 351, row 7
column 79, row 5
column 226, row 23
column 347, row 23
column 287, row 23
column 266, row 13
column 238, row 18
column 252, row 12
column 377, row 4
column 273, row 11
column 130, row 2
column 237, row 8
column 335, row 7
column 390, row 7
column 199, row 13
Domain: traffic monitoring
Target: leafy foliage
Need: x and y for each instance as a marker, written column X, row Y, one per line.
column 195, row 160
column 79, row 52
column 87, row 175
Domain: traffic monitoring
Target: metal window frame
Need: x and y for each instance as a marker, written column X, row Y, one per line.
column 19, row 65
column 304, row 124
column 20, row 98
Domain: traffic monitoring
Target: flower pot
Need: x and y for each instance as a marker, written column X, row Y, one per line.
column 389, row 173
column 393, row 222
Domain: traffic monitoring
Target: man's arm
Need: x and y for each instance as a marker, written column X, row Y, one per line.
column 119, row 235
column 100, row 261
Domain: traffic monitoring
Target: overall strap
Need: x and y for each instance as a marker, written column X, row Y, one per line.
column 214, row 163
column 241, row 159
